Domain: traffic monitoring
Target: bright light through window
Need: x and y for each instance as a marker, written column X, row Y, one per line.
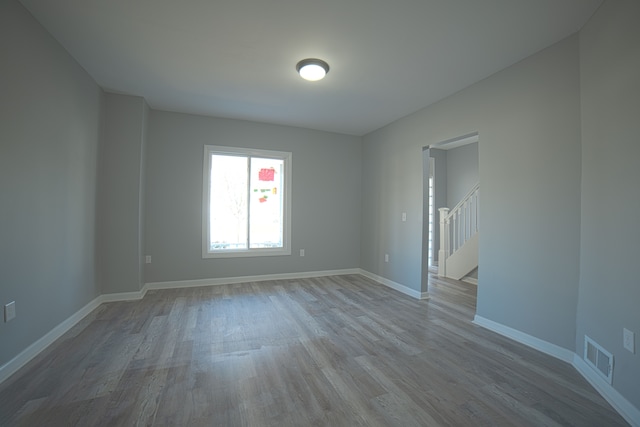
column 265, row 199
column 228, row 203
column 246, row 206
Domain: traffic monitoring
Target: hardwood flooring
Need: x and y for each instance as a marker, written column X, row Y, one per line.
column 331, row 351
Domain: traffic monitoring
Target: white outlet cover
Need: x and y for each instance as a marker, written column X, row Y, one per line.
column 10, row 311
column 628, row 340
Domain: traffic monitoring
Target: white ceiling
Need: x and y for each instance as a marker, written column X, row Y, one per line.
column 236, row 58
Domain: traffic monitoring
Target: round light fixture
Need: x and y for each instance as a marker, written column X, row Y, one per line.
column 312, row 69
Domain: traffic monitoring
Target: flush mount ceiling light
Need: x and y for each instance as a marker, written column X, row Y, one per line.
column 312, row 69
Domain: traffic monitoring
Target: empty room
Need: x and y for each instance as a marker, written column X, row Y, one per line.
column 338, row 213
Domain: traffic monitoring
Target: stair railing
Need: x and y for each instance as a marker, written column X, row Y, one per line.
column 457, row 226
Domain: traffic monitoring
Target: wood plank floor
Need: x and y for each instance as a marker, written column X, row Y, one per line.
column 332, row 351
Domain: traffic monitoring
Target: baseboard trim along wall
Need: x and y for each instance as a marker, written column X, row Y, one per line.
column 123, row 296
column 629, row 412
column 284, row 276
column 12, row 366
column 37, row 347
column 526, row 339
column 470, row 280
column 244, row 279
column 393, row 285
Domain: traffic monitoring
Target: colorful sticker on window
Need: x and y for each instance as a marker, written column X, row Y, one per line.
column 267, row 174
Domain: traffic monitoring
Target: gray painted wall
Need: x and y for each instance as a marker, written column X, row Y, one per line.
column 142, row 185
column 49, row 133
column 120, row 214
column 527, row 115
column 610, row 245
column 325, row 201
column 391, row 184
column 462, row 172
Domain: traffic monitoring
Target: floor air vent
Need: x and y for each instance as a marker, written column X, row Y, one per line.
column 598, row 358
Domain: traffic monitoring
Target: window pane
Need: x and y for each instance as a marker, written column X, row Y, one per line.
column 246, row 205
column 266, row 203
column 228, row 203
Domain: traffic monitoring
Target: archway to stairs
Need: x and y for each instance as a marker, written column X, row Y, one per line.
column 450, row 170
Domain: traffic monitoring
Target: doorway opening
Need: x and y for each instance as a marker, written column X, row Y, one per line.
column 451, row 170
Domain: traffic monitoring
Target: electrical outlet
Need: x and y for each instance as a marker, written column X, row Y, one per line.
column 404, row 216
column 301, row 252
column 386, row 257
column 9, row 311
column 147, row 259
column 628, row 340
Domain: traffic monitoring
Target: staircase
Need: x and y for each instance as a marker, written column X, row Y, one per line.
column 458, row 254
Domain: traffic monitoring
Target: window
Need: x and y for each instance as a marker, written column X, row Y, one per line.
column 246, row 202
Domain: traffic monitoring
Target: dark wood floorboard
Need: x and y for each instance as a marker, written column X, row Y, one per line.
column 331, row 351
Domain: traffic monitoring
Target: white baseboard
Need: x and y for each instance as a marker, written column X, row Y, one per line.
column 123, row 296
column 470, row 280
column 629, row 412
column 393, row 285
column 12, row 366
column 284, row 276
column 24, row 357
column 37, row 347
column 245, row 279
column 526, row 339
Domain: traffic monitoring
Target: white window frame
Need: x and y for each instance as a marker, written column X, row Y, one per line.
column 206, row 179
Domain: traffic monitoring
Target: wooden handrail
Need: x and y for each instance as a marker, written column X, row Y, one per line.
column 467, row 196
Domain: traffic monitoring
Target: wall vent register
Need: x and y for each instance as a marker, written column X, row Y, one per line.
column 598, row 358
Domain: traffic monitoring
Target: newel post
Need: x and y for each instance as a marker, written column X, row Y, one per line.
column 443, row 253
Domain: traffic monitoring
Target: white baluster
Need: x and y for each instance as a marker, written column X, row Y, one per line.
column 477, row 210
column 443, row 253
column 456, row 227
column 467, row 224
